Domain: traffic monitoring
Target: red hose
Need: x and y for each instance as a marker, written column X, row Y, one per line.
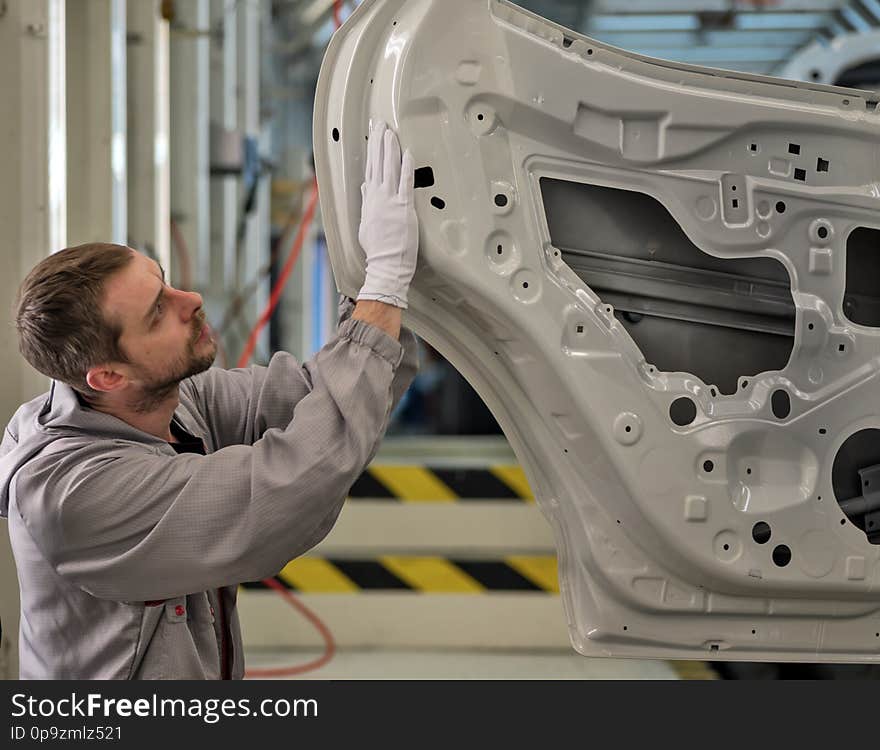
column 329, row 643
column 282, row 279
column 274, row 583
column 274, row 297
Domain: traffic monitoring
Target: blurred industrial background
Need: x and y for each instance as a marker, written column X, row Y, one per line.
column 183, row 128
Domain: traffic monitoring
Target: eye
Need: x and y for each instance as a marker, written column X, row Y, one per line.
column 157, row 315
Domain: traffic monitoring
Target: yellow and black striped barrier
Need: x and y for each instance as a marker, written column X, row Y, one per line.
column 438, row 575
column 430, row 575
column 427, row 484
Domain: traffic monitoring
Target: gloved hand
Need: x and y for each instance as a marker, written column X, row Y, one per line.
column 389, row 229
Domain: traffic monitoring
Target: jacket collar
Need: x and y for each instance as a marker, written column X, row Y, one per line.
column 63, row 409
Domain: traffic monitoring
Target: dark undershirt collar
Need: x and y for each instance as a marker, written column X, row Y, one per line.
column 186, row 443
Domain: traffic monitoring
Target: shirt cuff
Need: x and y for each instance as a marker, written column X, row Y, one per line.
column 365, row 334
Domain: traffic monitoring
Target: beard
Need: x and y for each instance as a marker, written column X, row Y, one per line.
column 157, row 389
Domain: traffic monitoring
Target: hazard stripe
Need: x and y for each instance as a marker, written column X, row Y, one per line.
column 431, row 574
column 413, row 483
column 475, row 484
column 368, row 486
column 541, row 571
column 370, row 575
column 426, row 574
column 515, row 478
column 312, row 574
column 497, row 576
column 502, row 483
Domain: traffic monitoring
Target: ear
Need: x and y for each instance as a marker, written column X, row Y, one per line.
column 105, row 378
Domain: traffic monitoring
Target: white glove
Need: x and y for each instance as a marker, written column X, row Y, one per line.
column 389, row 230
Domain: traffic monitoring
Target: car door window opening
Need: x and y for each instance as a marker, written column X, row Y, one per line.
column 717, row 318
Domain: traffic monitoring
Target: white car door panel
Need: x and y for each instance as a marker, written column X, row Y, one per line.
column 664, row 282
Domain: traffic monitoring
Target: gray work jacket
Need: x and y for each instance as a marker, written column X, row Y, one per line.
column 129, row 555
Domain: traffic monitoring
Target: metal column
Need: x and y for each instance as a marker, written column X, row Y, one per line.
column 32, row 211
column 256, row 240
column 190, row 140
column 149, row 209
column 224, row 120
column 96, row 91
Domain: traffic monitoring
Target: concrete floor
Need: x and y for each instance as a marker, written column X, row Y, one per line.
column 466, row 665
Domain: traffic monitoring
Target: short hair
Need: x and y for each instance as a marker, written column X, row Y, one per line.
column 62, row 331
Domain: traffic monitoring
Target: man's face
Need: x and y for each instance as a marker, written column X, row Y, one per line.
column 164, row 333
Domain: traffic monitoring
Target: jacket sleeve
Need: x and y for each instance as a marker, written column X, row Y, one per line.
column 238, row 406
column 136, row 524
column 409, row 362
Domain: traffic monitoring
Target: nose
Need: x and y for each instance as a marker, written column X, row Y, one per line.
column 191, row 303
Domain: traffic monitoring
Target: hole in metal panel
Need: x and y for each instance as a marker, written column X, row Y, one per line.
column 423, row 177
column 800, row 174
column 687, row 311
column 761, row 532
column 780, row 403
column 683, row 411
column 852, row 478
column 822, row 165
column 794, row 148
column 438, row 203
column 863, row 277
column 782, row 555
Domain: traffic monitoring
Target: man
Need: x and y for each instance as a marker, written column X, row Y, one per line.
column 145, row 486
